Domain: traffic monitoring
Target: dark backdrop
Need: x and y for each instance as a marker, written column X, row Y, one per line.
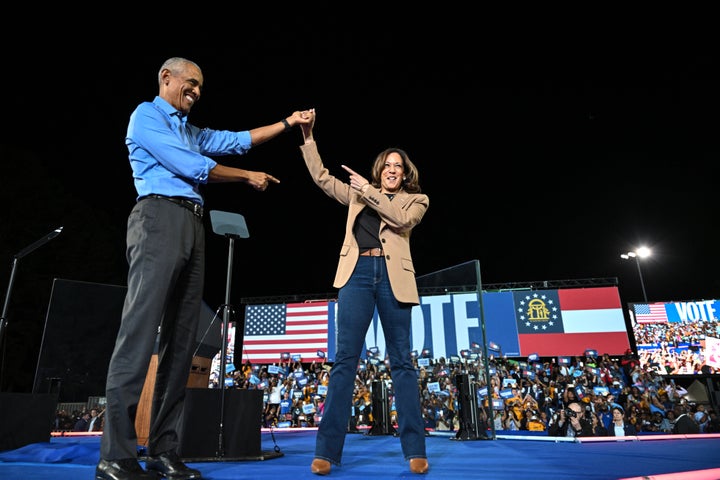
column 79, row 336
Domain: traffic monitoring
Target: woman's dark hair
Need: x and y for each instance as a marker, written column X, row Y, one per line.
column 411, row 176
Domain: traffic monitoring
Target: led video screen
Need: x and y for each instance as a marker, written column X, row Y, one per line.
column 678, row 338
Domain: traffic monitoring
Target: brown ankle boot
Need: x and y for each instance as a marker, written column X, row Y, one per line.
column 320, row 466
column 419, row 465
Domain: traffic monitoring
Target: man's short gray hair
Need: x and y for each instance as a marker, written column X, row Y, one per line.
column 175, row 64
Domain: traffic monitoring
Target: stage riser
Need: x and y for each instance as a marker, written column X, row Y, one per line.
column 25, row 418
column 242, row 423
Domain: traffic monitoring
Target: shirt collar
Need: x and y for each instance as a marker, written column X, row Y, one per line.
column 169, row 109
column 181, row 118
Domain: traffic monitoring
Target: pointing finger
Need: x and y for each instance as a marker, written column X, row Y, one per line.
column 349, row 170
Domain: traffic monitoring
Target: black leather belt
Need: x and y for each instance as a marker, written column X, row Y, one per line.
column 194, row 207
column 373, row 252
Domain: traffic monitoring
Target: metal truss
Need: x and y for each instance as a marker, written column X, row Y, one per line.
column 445, row 289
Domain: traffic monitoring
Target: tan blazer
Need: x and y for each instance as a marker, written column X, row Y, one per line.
column 397, row 219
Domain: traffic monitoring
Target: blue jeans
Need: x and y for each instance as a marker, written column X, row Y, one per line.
column 367, row 288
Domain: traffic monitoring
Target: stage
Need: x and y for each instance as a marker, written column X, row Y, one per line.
column 514, row 457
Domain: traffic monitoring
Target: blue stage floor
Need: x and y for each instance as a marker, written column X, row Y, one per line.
column 378, row 457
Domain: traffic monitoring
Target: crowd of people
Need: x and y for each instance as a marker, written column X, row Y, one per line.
column 530, row 396
column 79, row 420
column 537, row 397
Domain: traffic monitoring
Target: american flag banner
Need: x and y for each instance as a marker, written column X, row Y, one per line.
column 650, row 313
column 298, row 328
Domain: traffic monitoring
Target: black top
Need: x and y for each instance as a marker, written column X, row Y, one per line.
column 367, row 228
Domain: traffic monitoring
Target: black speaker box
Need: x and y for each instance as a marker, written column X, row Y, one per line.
column 25, row 418
column 380, row 410
column 472, row 427
column 242, row 421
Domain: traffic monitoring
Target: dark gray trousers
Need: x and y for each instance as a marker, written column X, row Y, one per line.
column 166, row 257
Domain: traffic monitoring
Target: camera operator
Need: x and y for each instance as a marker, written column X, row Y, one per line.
column 571, row 422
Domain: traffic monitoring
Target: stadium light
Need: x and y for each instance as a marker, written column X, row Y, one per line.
column 642, row 252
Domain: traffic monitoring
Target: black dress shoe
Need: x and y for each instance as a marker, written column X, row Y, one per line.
column 124, row 469
column 169, row 465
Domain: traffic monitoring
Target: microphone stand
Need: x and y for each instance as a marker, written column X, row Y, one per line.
column 18, row 256
column 232, row 226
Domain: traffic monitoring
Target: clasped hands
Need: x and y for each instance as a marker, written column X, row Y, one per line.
column 261, row 180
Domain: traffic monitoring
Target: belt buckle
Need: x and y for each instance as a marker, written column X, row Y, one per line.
column 197, row 209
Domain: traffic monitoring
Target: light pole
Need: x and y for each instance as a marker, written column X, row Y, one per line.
column 642, row 252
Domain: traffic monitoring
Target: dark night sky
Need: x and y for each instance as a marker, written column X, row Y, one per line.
column 543, row 159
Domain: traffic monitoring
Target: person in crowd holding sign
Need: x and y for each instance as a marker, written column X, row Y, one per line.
column 275, row 391
column 375, row 270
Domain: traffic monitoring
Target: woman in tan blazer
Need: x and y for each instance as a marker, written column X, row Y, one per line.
column 375, row 270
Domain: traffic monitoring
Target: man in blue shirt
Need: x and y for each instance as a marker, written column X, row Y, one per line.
column 170, row 159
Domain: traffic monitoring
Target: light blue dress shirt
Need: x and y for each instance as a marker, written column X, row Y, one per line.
column 171, row 157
